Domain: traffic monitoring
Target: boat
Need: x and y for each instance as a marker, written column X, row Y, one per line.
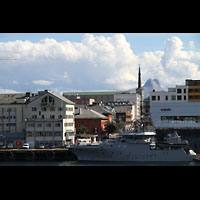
column 133, row 146
column 173, row 140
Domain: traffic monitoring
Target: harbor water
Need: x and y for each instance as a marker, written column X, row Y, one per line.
column 84, row 163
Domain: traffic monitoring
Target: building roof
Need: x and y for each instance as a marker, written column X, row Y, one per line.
column 121, row 109
column 82, row 113
column 62, row 98
column 10, row 98
column 100, row 109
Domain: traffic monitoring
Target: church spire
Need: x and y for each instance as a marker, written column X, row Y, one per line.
column 139, row 78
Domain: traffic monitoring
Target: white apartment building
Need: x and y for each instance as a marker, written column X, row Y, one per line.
column 49, row 120
column 44, row 118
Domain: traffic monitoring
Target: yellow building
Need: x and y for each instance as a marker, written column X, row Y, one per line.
column 193, row 90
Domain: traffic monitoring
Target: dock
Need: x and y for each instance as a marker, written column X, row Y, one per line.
column 37, row 154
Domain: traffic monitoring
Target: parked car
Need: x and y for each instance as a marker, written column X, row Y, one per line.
column 10, row 146
column 41, row 147
column 26, row 146
column 51, row 146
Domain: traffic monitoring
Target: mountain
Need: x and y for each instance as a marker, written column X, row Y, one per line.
column 149, row 86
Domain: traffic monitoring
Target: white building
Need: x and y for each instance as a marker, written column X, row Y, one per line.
column 44, row 118
column 175, row 108
column 49, row 120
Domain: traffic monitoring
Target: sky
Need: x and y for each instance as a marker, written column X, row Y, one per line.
column 63, row 62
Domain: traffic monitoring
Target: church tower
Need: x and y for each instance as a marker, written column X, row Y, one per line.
column 139, row 78
column 140, row 92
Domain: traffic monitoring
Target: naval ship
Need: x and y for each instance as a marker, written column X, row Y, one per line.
column 140, row 146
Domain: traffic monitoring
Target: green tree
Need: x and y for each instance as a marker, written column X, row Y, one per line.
column 119, row 126
column 82, row 130
column 110, row 127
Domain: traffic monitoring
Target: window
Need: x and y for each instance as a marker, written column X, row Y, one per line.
column 184, row 90
column 44, row 109
column 69, row 116
column 59, row 116
column 153, row 98
column 34, row 116
column 166, row 98
column 179, row 97
column 52, row 109
column 48, row 124
column 68, row 124
column 39, row 124
column 52, row 116
column 158, row 98
column 179, row 91
column 57, row 124
column 60, row 109
column 173, row 98
column 34, row 109
column 69, row 109
column 184, row 97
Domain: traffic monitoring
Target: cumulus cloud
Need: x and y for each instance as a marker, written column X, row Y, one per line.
column 94, row 63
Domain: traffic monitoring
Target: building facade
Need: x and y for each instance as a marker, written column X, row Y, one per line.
column 49, row 120
column 178, row 109
column 43, row 118
column 95, row 122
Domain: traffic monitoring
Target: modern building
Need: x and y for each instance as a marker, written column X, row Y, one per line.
column 178, row 109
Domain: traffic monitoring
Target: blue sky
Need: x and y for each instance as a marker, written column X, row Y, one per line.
column 96, row 61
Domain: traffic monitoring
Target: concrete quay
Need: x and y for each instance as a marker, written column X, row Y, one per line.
column 36, row 154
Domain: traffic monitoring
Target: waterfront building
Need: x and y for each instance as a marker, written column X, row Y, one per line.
column 49, row 120
column 178, row 109
column 42, row 118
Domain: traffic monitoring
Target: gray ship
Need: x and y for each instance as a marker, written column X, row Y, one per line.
column 136, row 147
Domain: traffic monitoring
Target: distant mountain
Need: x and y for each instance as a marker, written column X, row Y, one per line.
column 149, row 86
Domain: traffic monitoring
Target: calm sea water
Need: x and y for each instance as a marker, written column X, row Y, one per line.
column 78, row 163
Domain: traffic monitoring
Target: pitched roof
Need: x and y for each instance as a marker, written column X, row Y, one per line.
column 82, row 113
column 100, row 109
column 10, row 98
column 62, row 98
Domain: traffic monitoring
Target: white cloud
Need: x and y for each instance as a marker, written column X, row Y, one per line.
column 94, row 63
column 42, row 82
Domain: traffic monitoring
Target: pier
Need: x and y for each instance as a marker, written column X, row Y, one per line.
column 36, row 154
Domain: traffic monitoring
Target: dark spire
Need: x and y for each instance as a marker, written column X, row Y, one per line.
column 139, row 78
